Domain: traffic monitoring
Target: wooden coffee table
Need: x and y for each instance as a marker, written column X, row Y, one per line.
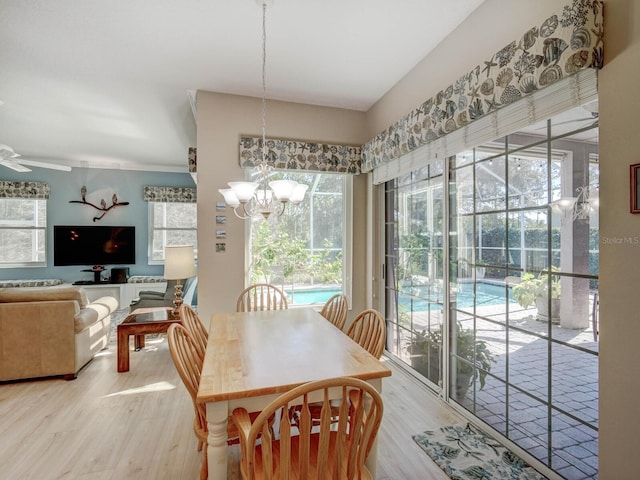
column 139, row 323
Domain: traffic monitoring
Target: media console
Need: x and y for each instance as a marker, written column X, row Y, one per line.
column 124, row 292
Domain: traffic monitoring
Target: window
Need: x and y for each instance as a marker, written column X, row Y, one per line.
column 23, row 236
column 171, row 224
column 306, row 251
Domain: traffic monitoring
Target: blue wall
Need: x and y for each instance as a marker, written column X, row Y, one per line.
column 65, row 186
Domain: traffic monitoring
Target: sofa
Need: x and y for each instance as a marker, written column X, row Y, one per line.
column 51, row 331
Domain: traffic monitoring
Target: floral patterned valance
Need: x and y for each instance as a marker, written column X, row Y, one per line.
column 193, row 159
column 39, row 190
column 301, row 155
column 170, row 194
column 560, row 46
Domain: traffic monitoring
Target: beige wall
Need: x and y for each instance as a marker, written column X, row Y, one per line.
column 491, row 27
column 222, row 119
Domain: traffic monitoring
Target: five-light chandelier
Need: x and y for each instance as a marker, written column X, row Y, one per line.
column 263, row 197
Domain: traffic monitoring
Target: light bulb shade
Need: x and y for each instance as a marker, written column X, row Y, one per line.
column 179, row 262
column 283, row 189
column 229, row 197
column 243, row 190
column 298, row 193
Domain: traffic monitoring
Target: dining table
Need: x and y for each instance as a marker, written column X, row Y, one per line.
column 254, row 357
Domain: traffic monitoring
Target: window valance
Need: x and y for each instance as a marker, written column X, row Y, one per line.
column 170, row 194
column 301, row 155
column 561, row 46
column 39, row 190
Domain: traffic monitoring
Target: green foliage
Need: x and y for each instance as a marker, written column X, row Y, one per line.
column 474, row 352
column 532, row 287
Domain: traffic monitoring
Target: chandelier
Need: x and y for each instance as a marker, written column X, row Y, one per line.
column 580, row 207
column 263, row 197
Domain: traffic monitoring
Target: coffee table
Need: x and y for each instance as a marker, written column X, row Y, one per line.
column 140, row 322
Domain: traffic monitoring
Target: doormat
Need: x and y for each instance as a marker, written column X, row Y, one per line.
column 465, row 453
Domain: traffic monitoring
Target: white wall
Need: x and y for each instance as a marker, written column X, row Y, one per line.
column 488, row 29
column 222, row 119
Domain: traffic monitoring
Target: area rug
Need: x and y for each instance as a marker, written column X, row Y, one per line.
column 465, row 453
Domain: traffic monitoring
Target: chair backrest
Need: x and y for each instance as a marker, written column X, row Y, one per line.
column 188, row 363
column 335, row 310
column 334, row 451
column 195, row 327
column 261, row 296
column 369, row 331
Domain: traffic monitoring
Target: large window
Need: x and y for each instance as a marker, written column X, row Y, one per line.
column 305, row 251
column 171, row 224
column 23, row 238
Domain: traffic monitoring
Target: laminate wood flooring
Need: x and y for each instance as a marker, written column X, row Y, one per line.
column 138, row 425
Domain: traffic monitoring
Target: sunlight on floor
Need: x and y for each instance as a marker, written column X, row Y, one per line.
column 152, row 387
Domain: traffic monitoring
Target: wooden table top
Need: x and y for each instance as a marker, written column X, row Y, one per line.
column 261, row 353
column 150, row 315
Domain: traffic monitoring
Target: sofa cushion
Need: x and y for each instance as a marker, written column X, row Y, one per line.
column 36, row 294
column 96, row 310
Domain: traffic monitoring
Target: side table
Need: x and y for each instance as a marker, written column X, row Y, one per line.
column 139, row 323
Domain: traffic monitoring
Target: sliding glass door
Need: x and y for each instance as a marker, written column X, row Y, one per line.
column 520, row 273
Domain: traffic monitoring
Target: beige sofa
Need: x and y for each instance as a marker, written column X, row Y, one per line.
column 50, row 331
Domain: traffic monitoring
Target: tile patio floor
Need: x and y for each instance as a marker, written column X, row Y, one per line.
column 520, row 409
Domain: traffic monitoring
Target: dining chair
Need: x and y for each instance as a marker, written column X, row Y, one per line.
column 369, row 331
column 261, row 296
column 191, row 321
column 332, row 452
column 188, row 363
column 335, row 310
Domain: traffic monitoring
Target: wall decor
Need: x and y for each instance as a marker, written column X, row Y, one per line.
column 103, row 205
column 221, row 219
column 221, row 247
column 634, row 188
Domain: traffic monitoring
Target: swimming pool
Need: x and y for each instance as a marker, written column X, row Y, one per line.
column 415, row 297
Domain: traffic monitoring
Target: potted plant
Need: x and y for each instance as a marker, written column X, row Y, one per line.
column 424, row 349
column 535, row 290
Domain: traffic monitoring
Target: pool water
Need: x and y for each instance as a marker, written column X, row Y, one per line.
column 413, row 298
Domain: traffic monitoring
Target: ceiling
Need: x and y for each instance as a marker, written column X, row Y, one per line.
column 104, row 84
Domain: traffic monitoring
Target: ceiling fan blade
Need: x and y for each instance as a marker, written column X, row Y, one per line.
column 575, row 120
column 14, row 166
column 7, row 153
column 53, row 166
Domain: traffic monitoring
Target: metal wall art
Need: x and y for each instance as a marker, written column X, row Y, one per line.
column 103, row 205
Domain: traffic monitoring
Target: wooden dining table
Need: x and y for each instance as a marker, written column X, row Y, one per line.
column 253, row 357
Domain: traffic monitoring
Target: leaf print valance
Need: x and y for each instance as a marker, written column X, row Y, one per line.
column 170, row 194
column 561, row 46
column 38, row 190
column 301, row 155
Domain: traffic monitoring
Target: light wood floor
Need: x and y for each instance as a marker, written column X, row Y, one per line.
column 138, row 425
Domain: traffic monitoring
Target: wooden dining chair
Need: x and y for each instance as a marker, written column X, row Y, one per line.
column 369, row 331
column 335, row 451
column 188, row 363
column 335, row 310
column 191, row 321
column 261, row 296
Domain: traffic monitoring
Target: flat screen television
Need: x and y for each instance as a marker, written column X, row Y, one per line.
column 93, row 245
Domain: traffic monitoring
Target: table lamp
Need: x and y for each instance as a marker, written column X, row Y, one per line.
column 179, row 264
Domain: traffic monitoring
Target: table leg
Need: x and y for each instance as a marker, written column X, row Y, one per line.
column 217, row 415
column 123, row 350
column 139, row 342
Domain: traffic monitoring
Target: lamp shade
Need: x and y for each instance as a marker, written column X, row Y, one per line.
column 179, row 262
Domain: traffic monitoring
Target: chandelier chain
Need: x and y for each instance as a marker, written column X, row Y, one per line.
column 264, row 83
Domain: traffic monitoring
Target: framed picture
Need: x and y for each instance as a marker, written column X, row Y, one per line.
column 634, row 174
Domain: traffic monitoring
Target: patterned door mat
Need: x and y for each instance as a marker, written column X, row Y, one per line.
column 465, row 453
